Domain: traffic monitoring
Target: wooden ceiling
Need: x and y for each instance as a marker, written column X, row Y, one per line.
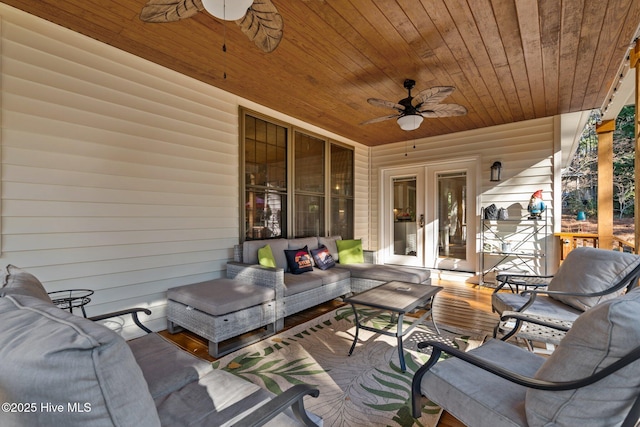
column 510, row 60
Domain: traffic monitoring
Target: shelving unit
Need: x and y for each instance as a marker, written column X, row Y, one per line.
column 516, row 245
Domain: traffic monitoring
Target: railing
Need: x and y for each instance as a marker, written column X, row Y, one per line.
column 569, row 241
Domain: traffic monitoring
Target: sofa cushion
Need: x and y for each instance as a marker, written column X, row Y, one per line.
column 218, row 297
column 165, row 366
column 599, row 337
column 330, row 243
column 323, row 258
column 386, row 273
column 350, row 251
column 296, row 283
column 19, row 282
column 265, row 257
column 299, row 260
column 589, row 270
column 57, row 358
column 278, row 246
column 332, row 275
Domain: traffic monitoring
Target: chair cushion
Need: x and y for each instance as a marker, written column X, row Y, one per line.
column 19, row 282
column 589, row 270
column 599, row 337
column 265, row 257
column 350, row 251
column 165, row 366
column 542, row 306
column 55, row 357
column 299, row 260
column 323, row 258
column 475, row 396
column 217, row 399
column 218, row 297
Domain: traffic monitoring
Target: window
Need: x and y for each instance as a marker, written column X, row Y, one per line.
column 295, row 184
column 265, row 175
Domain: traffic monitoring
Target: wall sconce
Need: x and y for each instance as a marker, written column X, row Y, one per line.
column 496, row 170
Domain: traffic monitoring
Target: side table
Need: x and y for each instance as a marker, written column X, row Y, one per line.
column 69, row 299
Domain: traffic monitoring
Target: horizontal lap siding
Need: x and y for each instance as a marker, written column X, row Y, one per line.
column 117, row 175
column 524, row 148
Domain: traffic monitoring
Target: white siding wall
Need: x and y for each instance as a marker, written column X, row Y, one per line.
column 525, row 149
column 118, row 175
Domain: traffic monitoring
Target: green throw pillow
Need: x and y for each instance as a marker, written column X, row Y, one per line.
column 265, row 257
column 350, row 251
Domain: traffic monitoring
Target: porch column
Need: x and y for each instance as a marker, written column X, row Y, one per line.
column 605, row 183
column 634, row 62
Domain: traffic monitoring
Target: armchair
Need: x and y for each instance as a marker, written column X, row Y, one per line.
column 586, row 277
column 89, row 375
column 592, row 379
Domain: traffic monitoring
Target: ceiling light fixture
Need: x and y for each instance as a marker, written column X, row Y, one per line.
column 227, row 10
column 410, row 121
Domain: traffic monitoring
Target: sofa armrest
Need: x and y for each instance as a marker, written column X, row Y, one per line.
column 258, row 275
column 370, row 257
column 132, row 311
column 291, row 398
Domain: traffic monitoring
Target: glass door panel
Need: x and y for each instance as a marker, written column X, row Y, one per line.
column 452, row 213
column 404, row 217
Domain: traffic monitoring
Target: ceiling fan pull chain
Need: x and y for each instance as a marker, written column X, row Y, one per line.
column 224, row 49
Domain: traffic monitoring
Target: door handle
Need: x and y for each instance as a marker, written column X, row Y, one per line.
column 421, row 221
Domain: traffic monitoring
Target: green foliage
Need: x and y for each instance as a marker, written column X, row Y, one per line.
column 580, row 178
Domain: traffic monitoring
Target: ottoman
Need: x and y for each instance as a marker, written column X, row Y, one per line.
column 220, row 309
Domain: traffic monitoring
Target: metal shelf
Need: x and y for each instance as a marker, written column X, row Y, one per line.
column 526, row 245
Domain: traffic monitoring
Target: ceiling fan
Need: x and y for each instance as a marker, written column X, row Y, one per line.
column 259, row 20
column 412, row 110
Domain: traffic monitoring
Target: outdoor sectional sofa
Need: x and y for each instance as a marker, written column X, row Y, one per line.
column 297, row 292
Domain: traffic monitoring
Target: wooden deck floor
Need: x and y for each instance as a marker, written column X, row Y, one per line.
column 460, row 304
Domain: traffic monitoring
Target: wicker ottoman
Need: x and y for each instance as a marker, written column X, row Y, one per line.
column 221, row 309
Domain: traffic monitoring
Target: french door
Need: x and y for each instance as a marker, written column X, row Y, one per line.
column 429, row 215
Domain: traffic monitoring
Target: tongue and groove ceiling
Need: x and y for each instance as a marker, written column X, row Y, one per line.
column 509, row 60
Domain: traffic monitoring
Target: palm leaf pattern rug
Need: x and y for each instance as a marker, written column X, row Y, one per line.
column 364, row 389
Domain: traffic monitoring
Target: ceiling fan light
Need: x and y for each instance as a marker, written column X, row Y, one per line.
column 228, row 10
column 410, row 121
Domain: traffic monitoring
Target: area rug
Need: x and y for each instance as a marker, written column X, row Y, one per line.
column 364, row 389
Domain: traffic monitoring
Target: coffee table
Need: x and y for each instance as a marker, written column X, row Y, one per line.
column 398, row 298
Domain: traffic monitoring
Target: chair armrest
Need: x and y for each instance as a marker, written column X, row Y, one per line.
column 292, row 398
column 520, row 318
column 132, row 311
column 508, row 279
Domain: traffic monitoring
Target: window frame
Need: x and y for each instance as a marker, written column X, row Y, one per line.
column 290, row 192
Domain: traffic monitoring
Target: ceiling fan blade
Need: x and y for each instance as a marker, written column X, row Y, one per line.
column 433, row 95
column 442, row 110
column 262, row 25
column 380, row 119
column 385, row 104
column 160, row 11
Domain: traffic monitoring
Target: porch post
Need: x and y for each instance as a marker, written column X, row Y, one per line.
column 605, row 183
column 634, row 62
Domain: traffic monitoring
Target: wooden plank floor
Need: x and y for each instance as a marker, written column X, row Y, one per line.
column 460, row 304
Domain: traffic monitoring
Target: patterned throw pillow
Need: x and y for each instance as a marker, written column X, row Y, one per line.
column 323, row 258
column 299, row 260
